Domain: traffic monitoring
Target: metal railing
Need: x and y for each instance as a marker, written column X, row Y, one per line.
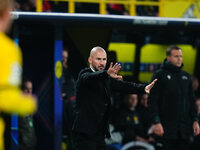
column 102, row 5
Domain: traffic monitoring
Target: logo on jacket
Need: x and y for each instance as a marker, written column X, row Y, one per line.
column 128, row 118
column 136, row 120
column 168, row 76
column 184, row 77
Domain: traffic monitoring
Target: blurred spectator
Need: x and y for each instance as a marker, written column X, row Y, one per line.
column 16, row 5
column 68, row 85
column 198, row 106
column 27, row 138
column 68, row 94
column 116, row 9
column 59, row 6
column 195, row 85
column 87, row 8
column 144, row 112
column 46, row 7
column 147, row 10
column 30, row 5
column 25, row 5
column 127, row 120
column 143, row 101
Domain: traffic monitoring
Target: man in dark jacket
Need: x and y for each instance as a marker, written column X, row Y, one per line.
column 93, row 90
column 172, row 103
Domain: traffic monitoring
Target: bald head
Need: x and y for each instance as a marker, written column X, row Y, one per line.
column 98, row 58
column 95, row 49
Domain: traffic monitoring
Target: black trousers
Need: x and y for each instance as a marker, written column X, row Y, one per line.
column 88, row 142
column 173, row 144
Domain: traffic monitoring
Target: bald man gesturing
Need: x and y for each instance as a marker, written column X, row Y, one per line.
column 93, row 90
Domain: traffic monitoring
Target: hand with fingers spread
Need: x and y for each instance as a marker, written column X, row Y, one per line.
column 149, row 87
column 113, row 70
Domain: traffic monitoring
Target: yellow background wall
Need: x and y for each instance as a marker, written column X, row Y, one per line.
column 177, row 8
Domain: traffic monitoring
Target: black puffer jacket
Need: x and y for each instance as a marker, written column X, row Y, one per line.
column 172, row 101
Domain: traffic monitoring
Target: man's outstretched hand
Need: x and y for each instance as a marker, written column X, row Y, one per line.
column 113, row 70
column 149, row 87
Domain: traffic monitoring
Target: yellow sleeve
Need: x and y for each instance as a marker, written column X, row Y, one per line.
column 2, row 126
column 11, row 98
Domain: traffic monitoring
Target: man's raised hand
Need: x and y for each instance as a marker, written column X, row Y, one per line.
column 149, row 87
column 113, row 70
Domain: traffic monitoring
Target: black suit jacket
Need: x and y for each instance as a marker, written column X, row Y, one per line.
column 93, row 91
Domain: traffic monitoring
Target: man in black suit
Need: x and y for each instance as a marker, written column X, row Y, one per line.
column 93, row 90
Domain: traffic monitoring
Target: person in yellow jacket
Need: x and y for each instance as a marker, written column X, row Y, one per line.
column 11, row 98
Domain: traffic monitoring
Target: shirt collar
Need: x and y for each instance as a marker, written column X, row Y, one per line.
column 92, row 69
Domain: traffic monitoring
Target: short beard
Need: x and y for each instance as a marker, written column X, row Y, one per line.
column 95, row 68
